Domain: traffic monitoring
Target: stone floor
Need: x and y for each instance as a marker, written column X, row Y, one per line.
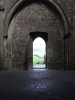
column 38, row 66
column 38, row 84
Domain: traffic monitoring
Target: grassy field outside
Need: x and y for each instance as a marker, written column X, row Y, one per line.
column 37, row 59
column 38, row 55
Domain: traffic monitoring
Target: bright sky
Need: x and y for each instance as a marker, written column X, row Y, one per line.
column 39, row 43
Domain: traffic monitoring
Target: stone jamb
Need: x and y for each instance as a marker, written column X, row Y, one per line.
column 1, row 34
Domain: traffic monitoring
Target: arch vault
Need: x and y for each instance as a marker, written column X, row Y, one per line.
column 17, row 6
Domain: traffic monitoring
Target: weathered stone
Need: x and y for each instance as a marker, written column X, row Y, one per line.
column 1, row 35
column 38, row 17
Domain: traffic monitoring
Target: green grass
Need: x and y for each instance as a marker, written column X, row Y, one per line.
column 37, row 59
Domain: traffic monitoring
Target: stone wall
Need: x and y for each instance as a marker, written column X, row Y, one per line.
column 0, row 43
column 69, row 8
column 72, row 36
column 37, row 17
column 1, row 35
column 8, row 4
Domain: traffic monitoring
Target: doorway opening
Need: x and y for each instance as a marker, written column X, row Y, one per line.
column 39, row 53
column 34, row 36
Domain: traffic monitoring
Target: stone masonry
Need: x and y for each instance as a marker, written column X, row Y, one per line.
column 36, row 17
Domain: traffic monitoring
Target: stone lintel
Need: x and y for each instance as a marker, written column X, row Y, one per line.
column 5, row 36
column 2, row 9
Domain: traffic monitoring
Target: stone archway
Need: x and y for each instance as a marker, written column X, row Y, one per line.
column 29, row 47
column 39, row 53
column 55, row 7
column 44, row 36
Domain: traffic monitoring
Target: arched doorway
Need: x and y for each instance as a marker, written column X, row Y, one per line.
column 29, row 48
column 39, row 53
column 51, row 4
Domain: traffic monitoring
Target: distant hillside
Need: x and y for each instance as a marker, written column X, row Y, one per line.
column 39, row 49
column 38, row 60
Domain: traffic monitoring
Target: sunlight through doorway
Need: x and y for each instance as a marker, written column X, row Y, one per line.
column 39, row 53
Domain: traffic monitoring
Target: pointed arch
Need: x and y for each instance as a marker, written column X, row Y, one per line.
column 20, row 4
column 54, row 5
column 39, row 50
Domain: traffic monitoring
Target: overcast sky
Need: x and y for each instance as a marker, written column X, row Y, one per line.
column 39, row 43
